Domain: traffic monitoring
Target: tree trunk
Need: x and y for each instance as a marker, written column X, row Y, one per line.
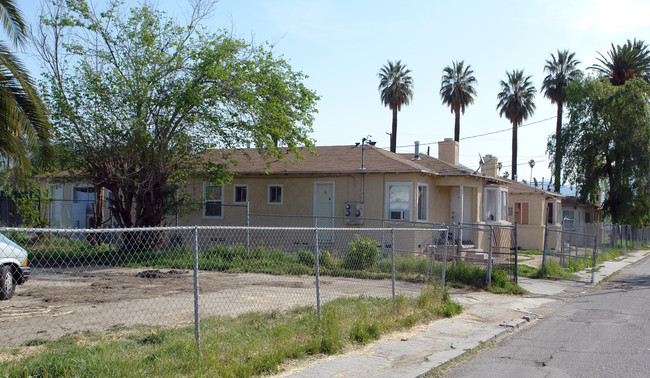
column 457, row 125
column 514, row 151
column 393, row 135
column 559, row 151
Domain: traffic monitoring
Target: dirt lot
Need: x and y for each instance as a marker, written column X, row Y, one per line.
column 58, row 301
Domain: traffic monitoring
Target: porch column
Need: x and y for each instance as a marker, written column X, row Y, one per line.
column 462, row 204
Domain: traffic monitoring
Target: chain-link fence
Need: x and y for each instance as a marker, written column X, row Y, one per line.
column 578, row 249
column 492, row 246
column 95, row 279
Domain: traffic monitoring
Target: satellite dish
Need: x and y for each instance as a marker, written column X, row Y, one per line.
column 535, row 181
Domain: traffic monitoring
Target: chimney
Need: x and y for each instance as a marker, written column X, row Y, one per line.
column 417, row 150
column 448, row 151
column 490, row 166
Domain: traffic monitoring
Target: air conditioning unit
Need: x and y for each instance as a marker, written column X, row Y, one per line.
column 398, row 215
column 353, row 213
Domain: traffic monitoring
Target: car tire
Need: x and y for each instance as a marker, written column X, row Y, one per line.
column 7, row 282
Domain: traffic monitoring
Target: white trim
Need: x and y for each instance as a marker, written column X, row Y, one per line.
column 234, row 193
column 406, row 184
column 417, row 204
column 206, row 184
column 268, row 194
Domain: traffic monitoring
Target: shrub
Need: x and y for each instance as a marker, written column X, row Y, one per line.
column 306, row 258
column 363, row 254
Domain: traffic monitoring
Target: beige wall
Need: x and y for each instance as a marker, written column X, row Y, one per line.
column 531, row 235
column 298, row 197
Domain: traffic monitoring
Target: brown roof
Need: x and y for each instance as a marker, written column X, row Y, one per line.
column 516, row 187
column 575, row 201
column 338, row 159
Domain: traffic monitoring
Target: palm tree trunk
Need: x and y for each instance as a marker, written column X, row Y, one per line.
column 393, row 135
column 558, row 148
column 457, row 125
column 514, row 151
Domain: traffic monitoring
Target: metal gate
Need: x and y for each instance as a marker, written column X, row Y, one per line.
column 573, row 252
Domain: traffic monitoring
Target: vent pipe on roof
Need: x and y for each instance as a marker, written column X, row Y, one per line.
column 417, row 150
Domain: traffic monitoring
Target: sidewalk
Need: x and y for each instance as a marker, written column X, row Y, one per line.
column 485, row 317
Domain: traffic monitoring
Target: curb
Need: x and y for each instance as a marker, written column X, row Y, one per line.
column 459, row 349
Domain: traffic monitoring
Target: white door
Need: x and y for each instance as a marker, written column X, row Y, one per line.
column 456, row 210
column 324, row 209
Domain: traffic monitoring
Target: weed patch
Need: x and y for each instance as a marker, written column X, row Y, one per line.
column 251, row 344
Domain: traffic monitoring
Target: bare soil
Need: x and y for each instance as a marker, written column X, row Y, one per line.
column 58, row 301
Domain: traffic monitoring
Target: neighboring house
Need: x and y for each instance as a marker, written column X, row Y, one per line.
column 532, row 209
column 333, row 183
column 577, row 214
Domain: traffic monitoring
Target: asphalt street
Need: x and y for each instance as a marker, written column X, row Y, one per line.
column 603, row 332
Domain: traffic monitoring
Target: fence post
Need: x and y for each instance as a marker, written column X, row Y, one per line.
column 562, row 245
column 444, row 260
column 248, row 225
column 392, row 268
column 594, row 259
column 197, row 318
column 516, row 255
column 489, row 266
column 545, row 246
column 316, row 258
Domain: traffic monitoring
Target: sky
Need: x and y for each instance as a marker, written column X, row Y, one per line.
column 341, row 46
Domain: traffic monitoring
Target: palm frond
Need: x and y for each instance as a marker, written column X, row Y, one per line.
column 12, row 21
column 395, row 85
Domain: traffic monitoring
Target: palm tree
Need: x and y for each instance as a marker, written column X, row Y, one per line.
column 396, row 89
column 457, row 90
column 516, row 103
column 24, row 126
column 531, row 164
column 561, row 70
column 625, row 62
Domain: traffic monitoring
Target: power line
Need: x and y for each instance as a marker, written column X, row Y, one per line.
column 508, row 129
column 480, row 135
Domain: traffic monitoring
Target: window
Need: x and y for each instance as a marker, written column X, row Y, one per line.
column 423, row 201
column 495, row 204
column 398, row 200
column 587, row 217
column 275, row 194
column 212, row 201
column 521, row 212
column 549, row 213
column 241, row 194
column 568, row 218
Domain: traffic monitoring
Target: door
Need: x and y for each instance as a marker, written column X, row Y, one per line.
column 465, row 209
column 324, row 210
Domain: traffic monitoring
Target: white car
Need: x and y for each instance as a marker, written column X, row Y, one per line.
column 13, row 267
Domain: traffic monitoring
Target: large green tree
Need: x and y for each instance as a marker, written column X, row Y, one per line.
column 396, row 89
column 516, row 103
column 25, row 130
column 138, row 99
column 607, row 141
column 457, row 90
column 623, row 62
column 561, row 70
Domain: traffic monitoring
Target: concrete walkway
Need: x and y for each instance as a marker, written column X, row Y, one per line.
column 485, row 317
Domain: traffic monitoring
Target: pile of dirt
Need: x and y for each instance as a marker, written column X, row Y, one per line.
column 155, row 273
